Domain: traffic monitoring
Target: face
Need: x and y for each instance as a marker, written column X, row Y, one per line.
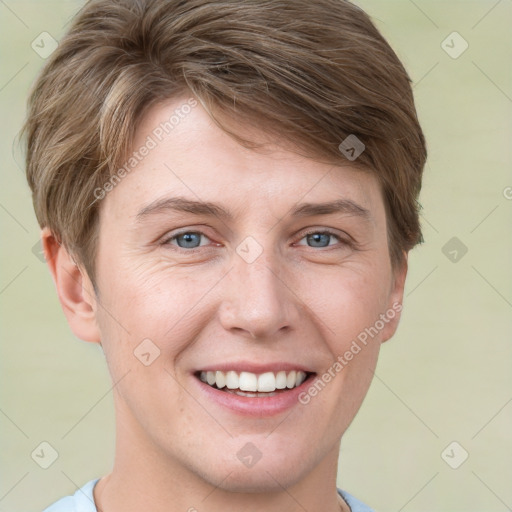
column 260, row 287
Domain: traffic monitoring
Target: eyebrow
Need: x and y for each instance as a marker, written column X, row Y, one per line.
column 182, row 204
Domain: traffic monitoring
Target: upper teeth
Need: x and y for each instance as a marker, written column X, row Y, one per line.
column 246, row 381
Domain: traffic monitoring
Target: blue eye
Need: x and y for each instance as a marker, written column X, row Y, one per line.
column 195, row 239
column 187, row 240
column 320, row 238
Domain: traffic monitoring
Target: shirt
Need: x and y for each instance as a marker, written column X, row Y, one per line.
column 83, row 501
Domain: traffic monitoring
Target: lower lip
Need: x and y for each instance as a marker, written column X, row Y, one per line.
column 255, row 406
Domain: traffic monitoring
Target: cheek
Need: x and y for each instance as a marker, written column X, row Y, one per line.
column 164, row 305
column 346, row 300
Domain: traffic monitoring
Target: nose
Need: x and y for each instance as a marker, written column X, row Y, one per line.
column 257, row 301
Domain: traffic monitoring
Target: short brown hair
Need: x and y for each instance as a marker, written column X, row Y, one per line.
column 312, row 72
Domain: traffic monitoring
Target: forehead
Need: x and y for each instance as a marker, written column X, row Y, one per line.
column 179, row 151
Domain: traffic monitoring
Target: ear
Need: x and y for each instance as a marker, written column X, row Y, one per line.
column 396, row 295
column 74, row 288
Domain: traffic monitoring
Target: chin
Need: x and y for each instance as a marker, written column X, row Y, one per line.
column 269, row 474
column 258, row 480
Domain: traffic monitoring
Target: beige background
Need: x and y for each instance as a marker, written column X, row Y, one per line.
column 444, row 377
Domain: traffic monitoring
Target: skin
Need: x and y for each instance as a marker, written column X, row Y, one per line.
column 297, row 302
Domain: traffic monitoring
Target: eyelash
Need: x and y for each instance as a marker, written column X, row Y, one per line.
column 167, row 241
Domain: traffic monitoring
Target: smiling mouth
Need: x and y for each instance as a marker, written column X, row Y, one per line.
column 254, row 385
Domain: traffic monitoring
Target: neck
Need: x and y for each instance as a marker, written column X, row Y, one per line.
column 146, row 478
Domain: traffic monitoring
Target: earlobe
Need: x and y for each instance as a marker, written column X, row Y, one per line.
column 395, row 301
column 74, row 288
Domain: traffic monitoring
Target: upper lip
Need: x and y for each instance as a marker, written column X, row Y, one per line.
column 247, row 366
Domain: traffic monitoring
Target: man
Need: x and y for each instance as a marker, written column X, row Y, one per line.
column 227, row 192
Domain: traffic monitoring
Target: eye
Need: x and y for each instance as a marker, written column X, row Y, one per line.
column 187, row 239
column 321, row 238
column 315, row 238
